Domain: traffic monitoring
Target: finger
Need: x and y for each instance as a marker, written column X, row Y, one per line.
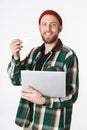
column 30, row 88
column 16, row 47
column 22, row 92
column 16, row 40
column 26, row 94
column 13, row 44
column 25, row 97
column 34, row 91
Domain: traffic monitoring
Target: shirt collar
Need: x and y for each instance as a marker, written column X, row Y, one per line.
column 57, row 47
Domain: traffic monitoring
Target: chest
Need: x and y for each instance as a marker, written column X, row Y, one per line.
column 50, row 62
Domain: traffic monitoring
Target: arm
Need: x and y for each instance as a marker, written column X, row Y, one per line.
column 14, row 71
column 72, row 84
column 15, row 66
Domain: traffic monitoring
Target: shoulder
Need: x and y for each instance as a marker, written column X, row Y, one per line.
column 69, row 51
column 34, row 52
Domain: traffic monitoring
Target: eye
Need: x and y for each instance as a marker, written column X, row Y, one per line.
column 43, row 24
column 53, row 24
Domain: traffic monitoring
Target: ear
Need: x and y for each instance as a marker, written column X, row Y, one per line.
column 60, row 28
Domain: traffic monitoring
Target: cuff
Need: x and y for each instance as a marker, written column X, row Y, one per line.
column 15, row 61
column 52, row 102
column 49, row 101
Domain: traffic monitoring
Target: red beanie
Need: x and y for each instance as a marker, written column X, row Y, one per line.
column 51, row 12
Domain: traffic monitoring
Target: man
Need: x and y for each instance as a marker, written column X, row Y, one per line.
column 40, row 111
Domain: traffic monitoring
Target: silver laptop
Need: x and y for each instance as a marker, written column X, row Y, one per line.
column 49, row 83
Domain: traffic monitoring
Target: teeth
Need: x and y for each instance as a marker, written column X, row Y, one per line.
column 48, row 34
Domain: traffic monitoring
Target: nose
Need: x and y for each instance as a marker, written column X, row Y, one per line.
column 48, row 27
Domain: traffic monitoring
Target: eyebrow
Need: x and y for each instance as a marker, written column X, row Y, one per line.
column 50, row 22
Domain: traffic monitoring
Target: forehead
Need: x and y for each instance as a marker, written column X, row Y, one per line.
column 49, row 18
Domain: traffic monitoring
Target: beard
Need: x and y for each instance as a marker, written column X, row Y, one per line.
column 49, row 40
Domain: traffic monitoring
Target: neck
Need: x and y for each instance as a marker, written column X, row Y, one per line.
column 49, row 47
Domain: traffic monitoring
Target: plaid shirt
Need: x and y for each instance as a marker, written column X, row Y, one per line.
column 56, row 113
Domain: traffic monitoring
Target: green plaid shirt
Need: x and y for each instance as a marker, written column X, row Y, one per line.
column 56, row 113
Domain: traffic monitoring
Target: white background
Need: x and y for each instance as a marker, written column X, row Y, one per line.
column 18, row 17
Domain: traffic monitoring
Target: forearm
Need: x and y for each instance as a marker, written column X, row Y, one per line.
column 14, row 71
column 15, row 66
column 58, row 103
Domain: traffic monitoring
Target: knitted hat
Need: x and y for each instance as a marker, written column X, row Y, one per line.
column 51, row 12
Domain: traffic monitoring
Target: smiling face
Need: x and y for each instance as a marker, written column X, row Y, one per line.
column 49, row 28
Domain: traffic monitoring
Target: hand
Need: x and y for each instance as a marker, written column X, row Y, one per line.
column 33, row 96
column 15, row 47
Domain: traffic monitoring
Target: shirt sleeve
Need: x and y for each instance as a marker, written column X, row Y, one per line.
column 15, row 67
column 14, row 71
column 72, row 84
column 25, row 108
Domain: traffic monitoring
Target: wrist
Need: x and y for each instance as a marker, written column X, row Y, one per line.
column 16, row 57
